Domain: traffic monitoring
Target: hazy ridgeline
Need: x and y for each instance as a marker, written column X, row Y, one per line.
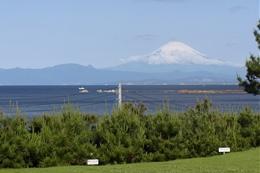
column 127, row 135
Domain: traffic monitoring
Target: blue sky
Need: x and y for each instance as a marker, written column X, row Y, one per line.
column 100, row 32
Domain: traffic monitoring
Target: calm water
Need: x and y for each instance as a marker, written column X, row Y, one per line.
column 34, row 100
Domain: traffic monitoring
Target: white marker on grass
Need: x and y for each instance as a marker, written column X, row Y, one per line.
column 92, row 162
column 224, row 150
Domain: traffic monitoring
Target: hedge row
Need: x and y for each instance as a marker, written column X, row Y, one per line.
column 128, row 135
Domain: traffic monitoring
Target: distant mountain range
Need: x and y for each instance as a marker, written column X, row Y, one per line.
column 173, row 63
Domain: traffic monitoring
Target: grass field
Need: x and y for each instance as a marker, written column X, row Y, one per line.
column 240, row 162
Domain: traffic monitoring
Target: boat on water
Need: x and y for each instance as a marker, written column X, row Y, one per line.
column 110, row 91
column 82, row 90
column 99, row 90
column 106, row 91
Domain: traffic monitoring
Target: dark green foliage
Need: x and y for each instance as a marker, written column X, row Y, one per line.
column 257, row 35
column 252, row 82
column 127, row 135
column 123, row 134
column 249, row 128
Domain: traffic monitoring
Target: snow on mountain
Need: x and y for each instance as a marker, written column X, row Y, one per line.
column 175, row 53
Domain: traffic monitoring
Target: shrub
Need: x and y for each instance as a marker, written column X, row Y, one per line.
column 128, row 135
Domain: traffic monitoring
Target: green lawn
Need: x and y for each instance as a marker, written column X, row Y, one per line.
column 240, row 162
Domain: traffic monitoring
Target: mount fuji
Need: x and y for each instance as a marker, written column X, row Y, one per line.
column 175, row 56
column 183, row 64
column 175, row 53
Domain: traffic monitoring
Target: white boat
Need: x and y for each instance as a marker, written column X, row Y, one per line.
column 81, row 88
column 99, row 90
column 109, row 91
column 83, row 91
column 106, row 91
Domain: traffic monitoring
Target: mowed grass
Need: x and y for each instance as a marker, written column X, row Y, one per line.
column 240, row 162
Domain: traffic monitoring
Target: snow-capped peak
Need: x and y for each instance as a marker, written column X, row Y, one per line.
column 174, row 53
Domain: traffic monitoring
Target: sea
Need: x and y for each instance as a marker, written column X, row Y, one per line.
column 103, row 99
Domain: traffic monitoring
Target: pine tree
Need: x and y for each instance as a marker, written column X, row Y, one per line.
column 252, row 82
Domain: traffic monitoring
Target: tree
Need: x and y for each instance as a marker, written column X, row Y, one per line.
column 252, row 82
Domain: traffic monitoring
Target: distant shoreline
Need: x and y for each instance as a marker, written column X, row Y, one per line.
column 186, row 91
column 127, row 84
